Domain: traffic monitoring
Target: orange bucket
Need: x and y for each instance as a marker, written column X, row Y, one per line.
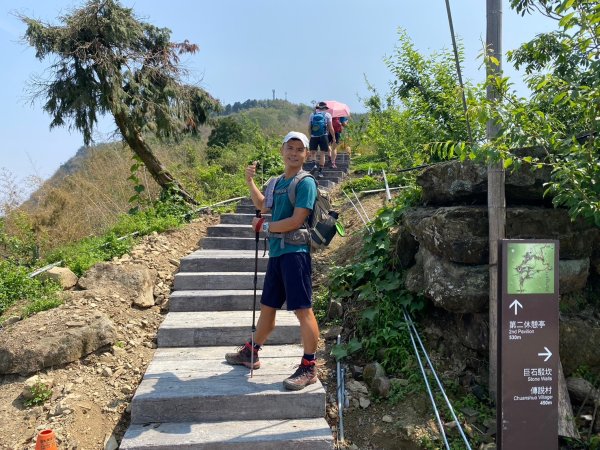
column 46, row 440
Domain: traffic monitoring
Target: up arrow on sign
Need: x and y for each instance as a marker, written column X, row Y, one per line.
column 516, row 304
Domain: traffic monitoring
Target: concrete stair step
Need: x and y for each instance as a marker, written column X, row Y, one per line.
column 197, row 385
column 334, row 173
column 341, row 166
column 232, row 230
column 330, row 178
column 223, row 260
column 210, row 328
column 297, row 434
column 240, row 218
column 222, row 300
column 234, row 243
column 325, row 183
column 246, row 209
column 209, row 281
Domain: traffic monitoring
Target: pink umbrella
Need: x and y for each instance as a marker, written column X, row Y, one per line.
column 337, row 109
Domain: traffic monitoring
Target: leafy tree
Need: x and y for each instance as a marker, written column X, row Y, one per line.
column 226, row 131
column 563, row 70
column 424, row 105
column 109, row 62
column 429, row 89
column 558, row 125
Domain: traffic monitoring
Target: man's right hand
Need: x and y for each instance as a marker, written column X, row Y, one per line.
column 251, row 172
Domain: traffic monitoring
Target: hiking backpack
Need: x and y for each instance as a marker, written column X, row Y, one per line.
column 318, row 124
column 320, row 226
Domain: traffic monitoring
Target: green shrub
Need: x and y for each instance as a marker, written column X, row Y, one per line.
column 374, row 282
column 15, row 285
column 41, row 304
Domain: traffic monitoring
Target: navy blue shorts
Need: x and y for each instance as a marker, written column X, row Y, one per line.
column 318, row 142
column 288, row 279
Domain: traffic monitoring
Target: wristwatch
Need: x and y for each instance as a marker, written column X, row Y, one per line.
column 265, row 227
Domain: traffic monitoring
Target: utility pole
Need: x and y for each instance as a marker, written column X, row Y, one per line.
column 495, row 193
column 273, row 94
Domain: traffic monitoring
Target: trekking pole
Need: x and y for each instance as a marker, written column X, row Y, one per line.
column 254, row 303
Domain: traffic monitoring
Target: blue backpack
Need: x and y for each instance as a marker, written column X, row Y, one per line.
column 318, row 124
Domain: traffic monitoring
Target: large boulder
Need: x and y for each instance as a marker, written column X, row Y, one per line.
column 460, row 233
column 575, row 236
column 461, row 288
column 456, row 182
column 134, row 280
column 452, row 334
column 62, row 275
column 573, row 274
column 579, row 344
column 454, row 287
column 47, row 340
column 456, row 233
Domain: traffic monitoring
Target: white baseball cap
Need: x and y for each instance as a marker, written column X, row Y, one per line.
column 296, row 135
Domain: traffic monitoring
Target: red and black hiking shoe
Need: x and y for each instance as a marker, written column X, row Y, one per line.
column 243, row 357
column 305, row 374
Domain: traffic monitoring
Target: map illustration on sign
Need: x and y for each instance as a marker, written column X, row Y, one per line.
column 530, row 268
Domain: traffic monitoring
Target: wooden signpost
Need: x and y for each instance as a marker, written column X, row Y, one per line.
column 528, row 361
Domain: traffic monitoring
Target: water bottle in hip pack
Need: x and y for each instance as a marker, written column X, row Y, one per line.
column 320, row 226
column 318, row 124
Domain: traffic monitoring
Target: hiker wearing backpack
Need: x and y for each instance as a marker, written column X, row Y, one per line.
column 288, row 276
column 320, row 125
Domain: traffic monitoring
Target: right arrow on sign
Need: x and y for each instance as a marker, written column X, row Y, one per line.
column 516, row 304
column 548, row 354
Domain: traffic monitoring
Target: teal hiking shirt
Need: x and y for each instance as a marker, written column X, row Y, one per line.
column 306, row 195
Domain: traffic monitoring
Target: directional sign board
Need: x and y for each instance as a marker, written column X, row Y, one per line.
column 528, row 345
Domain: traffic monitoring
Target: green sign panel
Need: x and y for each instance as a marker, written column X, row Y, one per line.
column 530, row 268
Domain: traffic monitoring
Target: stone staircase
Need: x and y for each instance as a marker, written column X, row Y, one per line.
column 189, row 397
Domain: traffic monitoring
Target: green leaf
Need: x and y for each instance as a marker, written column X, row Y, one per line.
column 559, row 97
column 370, row 313
column 339, row 351
column 507, row 163
column 354, row 345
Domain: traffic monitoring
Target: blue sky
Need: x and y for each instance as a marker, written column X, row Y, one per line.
column 304, row 50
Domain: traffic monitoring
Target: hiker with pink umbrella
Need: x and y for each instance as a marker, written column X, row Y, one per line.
column 339, row 113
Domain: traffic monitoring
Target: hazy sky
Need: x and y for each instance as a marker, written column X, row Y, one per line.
column 304, row 50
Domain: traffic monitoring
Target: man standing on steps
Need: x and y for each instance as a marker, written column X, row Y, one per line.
column 320, row 125
column 289, row 270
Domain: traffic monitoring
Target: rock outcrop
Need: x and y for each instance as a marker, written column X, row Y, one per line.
column 444, row 245
column 135, row 279
column 46, row 340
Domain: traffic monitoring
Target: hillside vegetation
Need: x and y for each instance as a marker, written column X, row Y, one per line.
column 104, row 192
